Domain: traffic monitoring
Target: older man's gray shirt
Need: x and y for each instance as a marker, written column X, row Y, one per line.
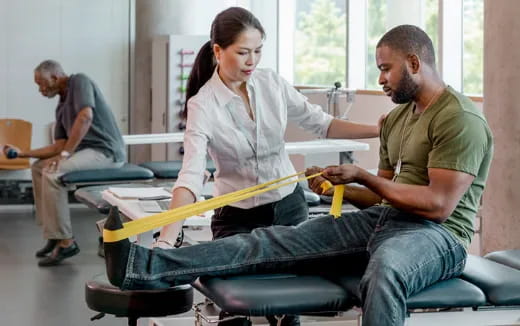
column 103, row 135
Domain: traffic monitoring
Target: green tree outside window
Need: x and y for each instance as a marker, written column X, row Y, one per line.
column 320, row 45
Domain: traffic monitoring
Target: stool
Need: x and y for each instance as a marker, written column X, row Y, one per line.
column 105, row 298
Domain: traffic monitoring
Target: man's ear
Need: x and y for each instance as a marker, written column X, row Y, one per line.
column 414, row 63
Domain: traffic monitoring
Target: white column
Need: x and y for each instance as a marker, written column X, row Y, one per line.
column 451, row 42
column 356, row 44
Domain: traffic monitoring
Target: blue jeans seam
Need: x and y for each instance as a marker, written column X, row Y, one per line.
column 138, row 276
column 127, row 282
column 443, row 254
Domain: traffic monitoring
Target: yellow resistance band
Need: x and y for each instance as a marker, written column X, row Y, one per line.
column 158, row 220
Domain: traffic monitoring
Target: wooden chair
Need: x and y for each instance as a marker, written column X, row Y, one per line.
column 18, row 133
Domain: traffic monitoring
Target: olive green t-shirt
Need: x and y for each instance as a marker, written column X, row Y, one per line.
column 451, row 134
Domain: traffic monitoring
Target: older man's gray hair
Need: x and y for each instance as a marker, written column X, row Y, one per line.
column 49, row 68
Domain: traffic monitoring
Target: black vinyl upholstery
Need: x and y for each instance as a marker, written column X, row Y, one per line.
column 445, row 294
column 283, row 294
column 483, row 283
column 509, row 258
column 171, row 169
column 500, row 283
column 448, row 294
column 103, row 297
column 128, row 172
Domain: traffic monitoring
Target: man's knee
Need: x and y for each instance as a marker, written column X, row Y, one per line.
column 51, row 179
column 38, row 166
column 382, row 273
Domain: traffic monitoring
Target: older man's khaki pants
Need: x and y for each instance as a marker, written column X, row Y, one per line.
column 50, row 196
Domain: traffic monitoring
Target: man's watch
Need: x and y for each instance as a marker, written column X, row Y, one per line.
column 65, row 154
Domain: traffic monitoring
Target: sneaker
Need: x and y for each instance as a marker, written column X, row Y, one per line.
column 59, row 254
column 51, row 243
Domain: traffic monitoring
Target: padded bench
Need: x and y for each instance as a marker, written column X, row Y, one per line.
column 171, row 169
column 509, row 258
column 127, row 173
column 484, row 283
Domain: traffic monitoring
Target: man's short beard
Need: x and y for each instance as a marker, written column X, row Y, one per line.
column 406, row 89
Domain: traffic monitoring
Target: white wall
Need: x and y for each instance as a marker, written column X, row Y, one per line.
column 367, row 109
column 84, row 36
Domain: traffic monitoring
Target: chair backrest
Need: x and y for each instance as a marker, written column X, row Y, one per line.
column 18, row 133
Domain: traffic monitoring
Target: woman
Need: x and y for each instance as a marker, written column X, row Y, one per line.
column 238, row 114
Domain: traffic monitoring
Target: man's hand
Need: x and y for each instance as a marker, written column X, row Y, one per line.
column 7, row 147
column 53, row 164
column 343, row 174
column 315, row 183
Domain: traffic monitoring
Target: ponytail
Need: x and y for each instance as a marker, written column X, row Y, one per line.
column 201, row 72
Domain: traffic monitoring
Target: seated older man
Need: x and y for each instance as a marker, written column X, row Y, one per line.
column 86, row 136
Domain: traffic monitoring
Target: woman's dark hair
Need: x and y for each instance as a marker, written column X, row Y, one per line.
column 225, row 29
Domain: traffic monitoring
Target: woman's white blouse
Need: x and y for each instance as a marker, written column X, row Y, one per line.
column 245, row 152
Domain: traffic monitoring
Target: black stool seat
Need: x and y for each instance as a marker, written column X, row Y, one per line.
column 128, row 172
column 509, row 258
column 261, row 295
column 103, row 297
column 170, row 169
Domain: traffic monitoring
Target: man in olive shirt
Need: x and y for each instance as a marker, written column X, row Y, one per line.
column 416, row 221
column 86, row 136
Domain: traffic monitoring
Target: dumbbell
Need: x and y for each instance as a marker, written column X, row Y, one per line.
column 11, row 153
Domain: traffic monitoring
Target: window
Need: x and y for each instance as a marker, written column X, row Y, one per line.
column 473, row 50
column 382, row 15
column 316, row 55
column 324, row 41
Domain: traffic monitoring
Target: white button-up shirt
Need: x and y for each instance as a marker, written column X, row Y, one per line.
column 245, row 152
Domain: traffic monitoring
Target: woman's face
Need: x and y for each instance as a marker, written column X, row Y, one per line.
column 238, row 61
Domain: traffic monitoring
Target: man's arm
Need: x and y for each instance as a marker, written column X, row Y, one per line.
column 435, row 202
column 79, row 129
column 43, row 152
column 350, row 130
column 363, row 197
column 360, row 197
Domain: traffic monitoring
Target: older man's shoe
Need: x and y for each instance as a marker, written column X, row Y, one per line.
column 49, row 246
column 59, row 254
